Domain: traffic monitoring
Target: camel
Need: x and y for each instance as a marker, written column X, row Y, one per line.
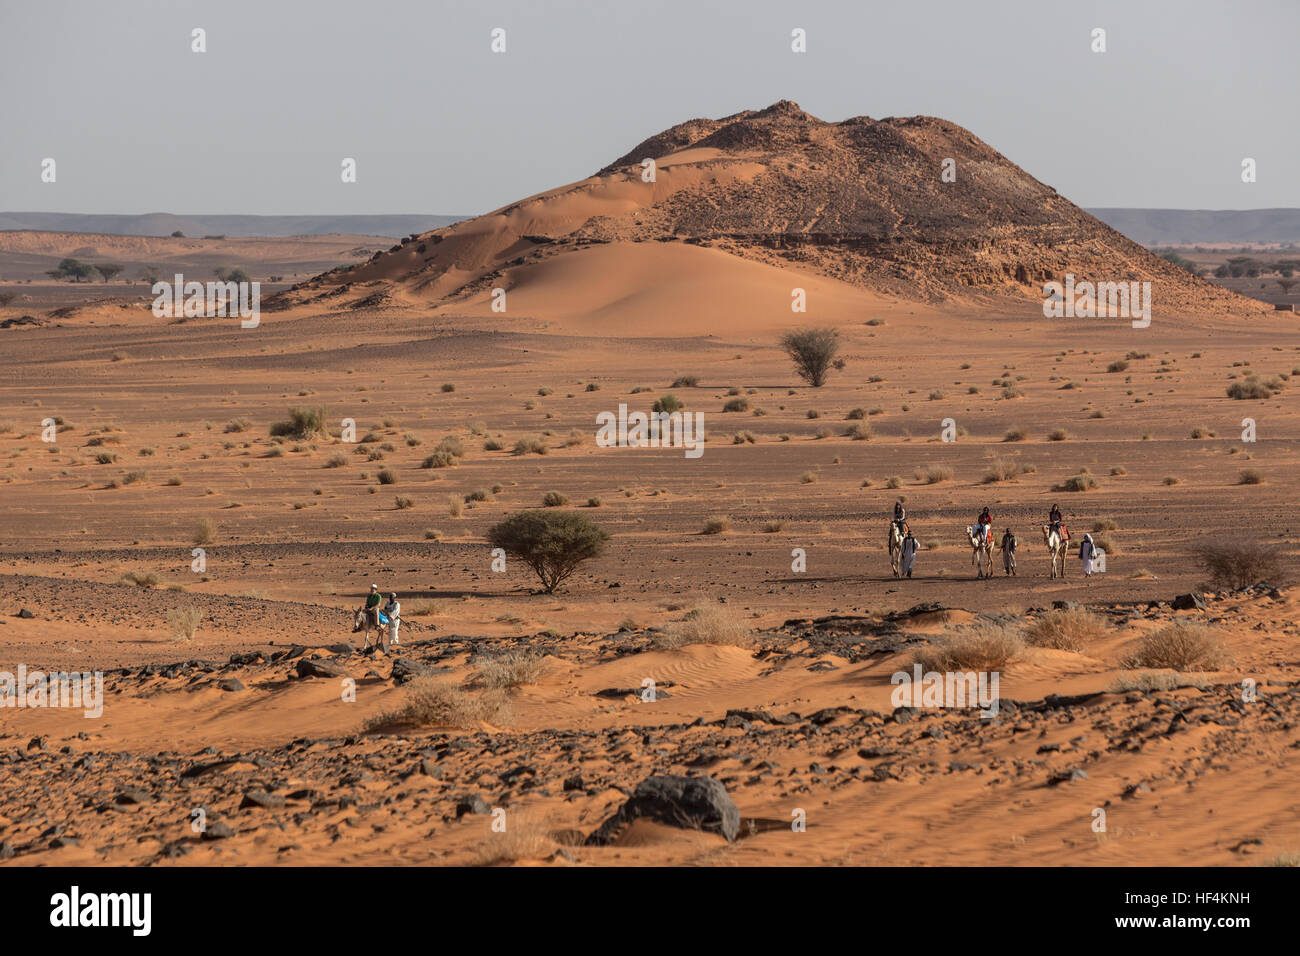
column 1056, row 545
column 895, row 549
column 981, row 553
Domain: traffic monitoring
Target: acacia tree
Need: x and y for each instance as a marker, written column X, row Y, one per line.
column 552, row 543
column 812, row 351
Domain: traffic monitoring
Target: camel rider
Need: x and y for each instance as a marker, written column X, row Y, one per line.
column 1054, row 518
column 900, row 516
column 393, row 611
column 985, row 523
column 372, row 605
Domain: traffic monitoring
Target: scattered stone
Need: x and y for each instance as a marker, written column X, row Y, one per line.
column 472, row 804
column 230, row 683
column 316, row 667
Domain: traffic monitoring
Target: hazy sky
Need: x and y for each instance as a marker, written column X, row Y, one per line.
column 439, row 124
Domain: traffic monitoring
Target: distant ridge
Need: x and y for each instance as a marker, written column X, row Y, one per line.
column 235, row 227
column 1190, row 226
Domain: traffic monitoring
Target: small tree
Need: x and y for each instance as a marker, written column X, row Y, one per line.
column 812, row 351
column 552, row 543
column 7, row 296
column 1241, row 563
column 238, row 275
column 108, row 270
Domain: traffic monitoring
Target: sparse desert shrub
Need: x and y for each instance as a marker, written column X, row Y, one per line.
column 553, row 499
column 455, row 506
column 1058, row 434
column 175, row 480
column 1016, row 434
column 403, row 503
column 106, row 458
column 553, row 543
column 858, row 431
column 706, row 623
column 479, row 494
column 431, row 534
column 303, row 423
column 1118, row 365
column 741, row 438
column 336, row 460
column 1106, row 543
column 1079, row 483
column 440, row 459
column 183, row 623
column 1148, row 681
column 594, row 502
column 1251, row 476
column 987, row 647
column 387, row 476
column 894, row 482
column 238, row 425
column 813, row 352
column 1011, row 391
column 686, row 381
column 205, row 531
column 493, row 444
column 1170, row 480
column 132, row 477
column 668, row 403
column 718, row 524
column 527, row 446
column 1118, row 470
column 448, row 387
column 808, row 477
column 511, row 669
column 141, row 579
column 1249, row 388
column 1239, row 564
column 1001, row 469
column 593, row 387
column 856, row 414
column 934, row 474
column 736, row 405
column 434, row 703
column 1105, row 524
column 1181, row 646
column 1070, row 629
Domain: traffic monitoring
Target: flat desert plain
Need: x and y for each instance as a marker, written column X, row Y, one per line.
column 785, row 696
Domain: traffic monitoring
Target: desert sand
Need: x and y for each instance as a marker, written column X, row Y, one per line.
column 164, row 424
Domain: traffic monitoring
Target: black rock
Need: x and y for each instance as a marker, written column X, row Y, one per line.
column 26, row 613
column 316, row 667
column 1189, row 602
column 260, row 798
column 1066, row 776
column 405, row 669
column 217, row 831
column 132, row 796
column 687, row 802
column 472, row 804
column 230, row 683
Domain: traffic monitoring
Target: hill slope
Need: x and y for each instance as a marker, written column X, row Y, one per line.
column 860, row 206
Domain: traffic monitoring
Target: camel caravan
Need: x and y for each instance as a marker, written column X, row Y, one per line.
column 903, row 546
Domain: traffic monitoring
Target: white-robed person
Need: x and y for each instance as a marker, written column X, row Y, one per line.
column 1086, row 552
column 910, row 545
column 393, row 611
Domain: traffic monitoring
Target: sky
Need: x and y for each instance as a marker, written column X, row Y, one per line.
column 440, row 124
